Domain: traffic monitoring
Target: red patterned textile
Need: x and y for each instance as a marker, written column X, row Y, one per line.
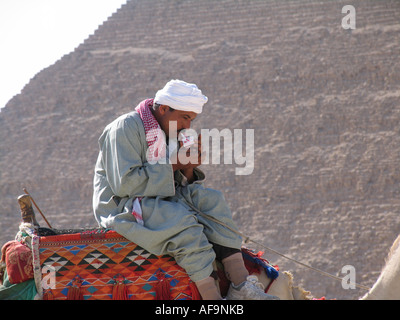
column 18, row 259
column 155, row 137
column 105, row 266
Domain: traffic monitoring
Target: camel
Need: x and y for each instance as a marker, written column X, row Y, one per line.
column 283, row 287
column 387, row 286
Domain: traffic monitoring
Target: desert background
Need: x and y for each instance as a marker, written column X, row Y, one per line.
column 323, row 102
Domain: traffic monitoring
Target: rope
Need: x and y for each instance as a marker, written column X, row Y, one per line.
column 248, row 239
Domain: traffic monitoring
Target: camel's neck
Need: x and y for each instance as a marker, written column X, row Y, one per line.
column 388, row 286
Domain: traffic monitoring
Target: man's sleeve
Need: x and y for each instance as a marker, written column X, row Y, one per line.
column 126, row 173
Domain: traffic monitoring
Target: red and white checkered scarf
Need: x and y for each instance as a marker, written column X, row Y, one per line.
column 155, row 137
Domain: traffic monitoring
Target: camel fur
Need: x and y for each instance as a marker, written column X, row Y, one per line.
column 387, row 286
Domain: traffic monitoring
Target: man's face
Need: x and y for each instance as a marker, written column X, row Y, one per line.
column 183, row 119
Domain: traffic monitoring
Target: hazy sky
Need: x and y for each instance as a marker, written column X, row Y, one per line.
column 34, row 34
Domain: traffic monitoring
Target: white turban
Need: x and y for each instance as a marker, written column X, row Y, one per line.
column 182, row 96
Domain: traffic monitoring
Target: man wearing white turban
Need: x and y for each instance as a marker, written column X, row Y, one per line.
column 143, row 195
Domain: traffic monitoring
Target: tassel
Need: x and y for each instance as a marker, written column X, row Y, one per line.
column 74, row 291
column 163, row 287
column 255, row 263
column 120, row 291
column 252, row 267
column 195, row 292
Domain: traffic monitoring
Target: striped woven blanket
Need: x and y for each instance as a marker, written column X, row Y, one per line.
column 103, row 265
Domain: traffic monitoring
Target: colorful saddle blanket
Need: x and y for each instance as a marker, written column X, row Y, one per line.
column 103, row 265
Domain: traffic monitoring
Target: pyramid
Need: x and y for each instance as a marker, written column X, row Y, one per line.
column 322, row 100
